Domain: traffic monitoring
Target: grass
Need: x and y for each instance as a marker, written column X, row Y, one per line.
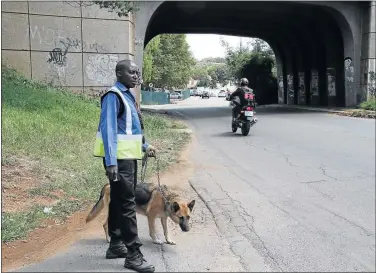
column 369, row 105
column 16, row 225
column 57, row 129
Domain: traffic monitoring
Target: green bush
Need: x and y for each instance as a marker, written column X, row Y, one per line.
column 369, row 104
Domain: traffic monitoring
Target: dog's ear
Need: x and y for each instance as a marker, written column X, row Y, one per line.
column 175, row 207
column 191, row 204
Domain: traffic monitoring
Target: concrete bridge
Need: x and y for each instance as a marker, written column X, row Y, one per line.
column 325, row 51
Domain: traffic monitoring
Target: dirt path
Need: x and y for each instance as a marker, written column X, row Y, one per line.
column 52, row 237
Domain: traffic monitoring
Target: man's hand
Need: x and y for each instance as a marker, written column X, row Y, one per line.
column 151, row 151
column 112, row 173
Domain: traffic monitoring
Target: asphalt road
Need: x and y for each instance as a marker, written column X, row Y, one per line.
column 297, row 194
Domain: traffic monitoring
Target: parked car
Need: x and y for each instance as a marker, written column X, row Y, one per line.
column 221, row 94
column 175, row 95
column 205, row 94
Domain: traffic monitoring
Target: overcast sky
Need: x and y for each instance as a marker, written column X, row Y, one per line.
column 208, row 45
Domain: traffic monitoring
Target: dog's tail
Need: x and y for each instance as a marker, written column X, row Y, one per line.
column 98, row 206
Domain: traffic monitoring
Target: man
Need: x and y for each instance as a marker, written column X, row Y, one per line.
column 120, row 142
column 240, row 92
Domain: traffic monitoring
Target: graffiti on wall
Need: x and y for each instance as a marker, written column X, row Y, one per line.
column 330, row 73
column 314, row 83
column 349, row 74
column 58, row 67
column 349, row 70
column 58, row 56
column 100, row 68
column 46, row 36
column 61, row 43
column 75, row 43
column 302, row 89
column 290, row 88
column 371, row 84
column 281, row 91
column 60, row 38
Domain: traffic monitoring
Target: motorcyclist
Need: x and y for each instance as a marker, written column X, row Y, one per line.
column 240, row 92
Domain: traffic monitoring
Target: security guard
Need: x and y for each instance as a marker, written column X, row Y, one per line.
column 119, row 141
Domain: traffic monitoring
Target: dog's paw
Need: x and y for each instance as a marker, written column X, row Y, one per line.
column 170, row 242
column 157, row 241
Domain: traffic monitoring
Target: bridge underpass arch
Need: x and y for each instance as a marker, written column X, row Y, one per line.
column 310, row 41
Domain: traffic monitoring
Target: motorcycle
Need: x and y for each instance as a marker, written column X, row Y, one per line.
column 246, row 118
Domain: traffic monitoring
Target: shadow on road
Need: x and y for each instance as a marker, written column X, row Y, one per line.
column 227, row 134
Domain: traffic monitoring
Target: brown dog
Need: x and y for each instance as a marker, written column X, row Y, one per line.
column 150, row 203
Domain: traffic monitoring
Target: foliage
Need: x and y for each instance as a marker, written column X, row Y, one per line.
column 369, row 104
column 172, row 61
column 151, row 50
column 122, row 8
column 218, row 73
column 255, row 62
column 222, row 73
column 259, row 73
column 199, row 72
column 261, row 46
column 212, row 60
column 205, row 81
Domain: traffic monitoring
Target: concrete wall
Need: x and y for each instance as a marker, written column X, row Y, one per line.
column 66, row 43
column 368, row 57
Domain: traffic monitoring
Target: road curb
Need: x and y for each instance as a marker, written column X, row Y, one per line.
column 313, row 109
column 349, row 112
column 157, row 111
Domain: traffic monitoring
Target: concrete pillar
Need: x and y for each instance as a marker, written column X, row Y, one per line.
column 369, row 53
column 279, row 66
column 142, row 16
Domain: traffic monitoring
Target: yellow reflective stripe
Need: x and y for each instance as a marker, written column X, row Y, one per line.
column 123, row 137
column 99, row 147
column 129, row 147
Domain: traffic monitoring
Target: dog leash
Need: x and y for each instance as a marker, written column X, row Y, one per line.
column 143, row 173
column 144, row 167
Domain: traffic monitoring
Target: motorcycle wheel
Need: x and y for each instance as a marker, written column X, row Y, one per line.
column 245, row 128
column 234, row 127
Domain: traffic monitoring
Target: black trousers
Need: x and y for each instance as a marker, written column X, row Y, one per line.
column 236, row 109
column 122, row 221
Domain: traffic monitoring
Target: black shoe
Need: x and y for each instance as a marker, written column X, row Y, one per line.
column 136, row 261
column 116, row 250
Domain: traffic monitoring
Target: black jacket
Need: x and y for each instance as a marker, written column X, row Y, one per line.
column 240, row 92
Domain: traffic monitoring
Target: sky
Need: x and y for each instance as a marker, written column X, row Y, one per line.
column 209, row 45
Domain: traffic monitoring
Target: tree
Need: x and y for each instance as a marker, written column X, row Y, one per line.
column 236, row 58
column 262, row 46
column 222, row 73
column 148, row 69
column 211, row 60
column 122, row 8
column 198, row 72
column 172, row 62
column 204, row 81
column 255, row 63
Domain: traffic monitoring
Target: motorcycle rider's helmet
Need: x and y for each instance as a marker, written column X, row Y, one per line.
column 243, row 82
